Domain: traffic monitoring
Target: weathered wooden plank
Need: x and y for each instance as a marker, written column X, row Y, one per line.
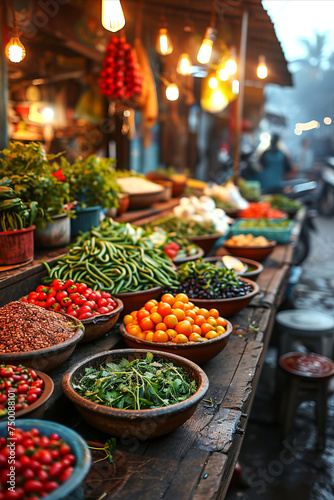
column 218, row 434
column 240, row 388
column 211, row 478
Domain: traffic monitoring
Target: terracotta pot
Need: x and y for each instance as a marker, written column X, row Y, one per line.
column 36, row 409
column 141, row 424
column 256, row 253
column 99, row 325
column 57, row 234
column 228, row 307
column 49, row 358
column 17, row 246
column 198, row 352
column 133, row 301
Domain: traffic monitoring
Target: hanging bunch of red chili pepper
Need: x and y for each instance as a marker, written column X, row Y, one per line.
column 121, row 76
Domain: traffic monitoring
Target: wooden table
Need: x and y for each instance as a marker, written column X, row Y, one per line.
column 197, row 460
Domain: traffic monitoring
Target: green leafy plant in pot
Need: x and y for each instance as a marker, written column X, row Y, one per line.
column 35, row 179
column 93, row 184
column 16, row 225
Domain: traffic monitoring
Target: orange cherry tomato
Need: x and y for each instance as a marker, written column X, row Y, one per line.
column 134, row 330
column 151, row 303
column 156, row 318
column 199, row 320
column 171, row 320
column 171, row 333
column 180, row 339
column 220, row 330
column 164, row 309
column 147, row 324
column 149, row 336
column 184, row 327
column 221, row 321
column 142, row 313
column 160, row 336
column 127, row 319
column 214, row 313
column 211, row 335
column 179, row 314
column 212, row 321
column 141, row 335
column 196, row 329
column 190, row 314
column 178, row 305
column 204, row 312
column 182, row 297
column 168, row 298
column 195, row 337
column 206, row 327
column 134, row 314
column 154, row 309
column 161, row 326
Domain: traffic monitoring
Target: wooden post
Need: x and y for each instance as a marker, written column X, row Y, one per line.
column 3, row 81
column 240, row 99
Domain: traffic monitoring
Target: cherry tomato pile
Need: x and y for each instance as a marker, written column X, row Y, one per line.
column 121, row 76
column 172, row 249
column 174, row 319
column 41, row 464
column 259, row 210
column 75, row 299
column 28, row 387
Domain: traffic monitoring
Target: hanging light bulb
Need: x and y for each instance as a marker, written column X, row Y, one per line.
column 112, row 15
column 164, row 44
column 213, row 84
column 231, row 64
column 172, row 92
column 262, row 70
column 205, row 51
column 223, row 74
column 184, row 64
column 14, row 49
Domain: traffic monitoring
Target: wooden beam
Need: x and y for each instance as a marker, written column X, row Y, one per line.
column 240, row 100
column 3, row 81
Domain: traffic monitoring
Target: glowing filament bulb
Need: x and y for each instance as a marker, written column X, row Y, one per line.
column 184, row 65
column 164, row 44
column 112, row 15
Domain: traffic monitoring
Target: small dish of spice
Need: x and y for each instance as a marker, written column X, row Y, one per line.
column 35, row 337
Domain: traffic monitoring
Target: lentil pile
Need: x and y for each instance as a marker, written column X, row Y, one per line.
column 26, row 327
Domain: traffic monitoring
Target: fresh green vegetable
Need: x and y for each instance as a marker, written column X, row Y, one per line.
column 189, row 228
column 136, row 385
column 117, row 258
column 14, row 214
column 109, row 449
column 281, row 202
column 207, row 274
column 160, row 238
column 263, row 223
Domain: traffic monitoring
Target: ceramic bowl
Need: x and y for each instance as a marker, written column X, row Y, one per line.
column 71, row 489
column 228, row 307
column 198, row 352
column 141, row 424
column 206, row 242
column 196, row 256
column 49, row 358
column 253, row 271
column 255, row 253
column 133, row 301
column 36, row 409
column 99, row 325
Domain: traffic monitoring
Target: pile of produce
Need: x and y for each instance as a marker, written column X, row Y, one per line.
column 203, row 280
column 140, row 384
column 174, row 244
column 14, row 214
column 189, row 228
column 26, row 327
column 263, row 223
column 117, row 258
column 248, row 240
column 121, row 76
column 281, row 202
column 203, row 212
column 42, row 464
column 259, row 210
column 174, row 319
column 75, row 299
column 226, row 196
column 28, row 387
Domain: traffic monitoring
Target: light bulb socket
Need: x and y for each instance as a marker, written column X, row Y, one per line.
column 262, row 60
column 210, row 34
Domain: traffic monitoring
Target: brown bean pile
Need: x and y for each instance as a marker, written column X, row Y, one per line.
column 27, row 327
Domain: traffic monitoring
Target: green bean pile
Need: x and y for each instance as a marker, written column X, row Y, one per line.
column 116, row 258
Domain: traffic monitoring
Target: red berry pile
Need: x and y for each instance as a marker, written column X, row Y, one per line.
column 41, row 464
column 26, row 385
column 121, row 76
column 75, row 299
